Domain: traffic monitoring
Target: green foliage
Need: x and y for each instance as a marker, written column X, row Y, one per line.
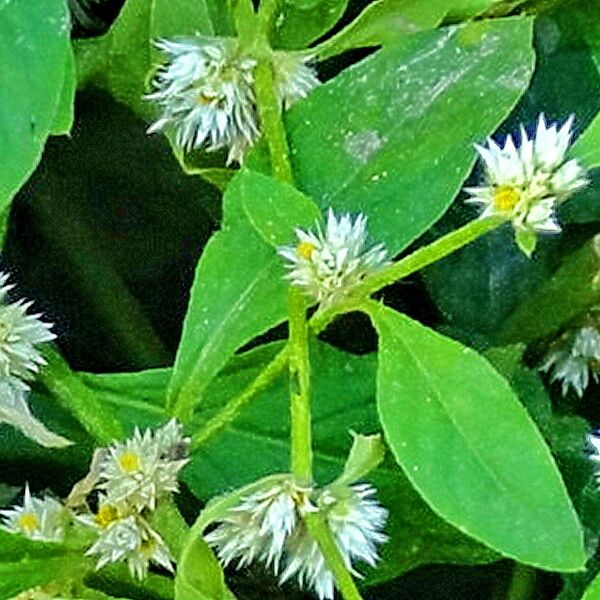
column 36, row 86
column 430, row 404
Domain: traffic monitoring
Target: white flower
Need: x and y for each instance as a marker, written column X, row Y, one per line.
column 330, row 263
column 294, row 77
column 525, row 183
column 575, row 357
column 356, row 520
column 206, row 93
column 258, row 527
column 41, row 519
column 145, row 467
column 20, row 333
column 133, row 541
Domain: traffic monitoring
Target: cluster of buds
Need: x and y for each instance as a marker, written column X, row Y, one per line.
column 206, row 92
column 21, row 333
column 127, row 480
column 574, row 358
column 526, row 183
column 268, row 526
column 328, row 263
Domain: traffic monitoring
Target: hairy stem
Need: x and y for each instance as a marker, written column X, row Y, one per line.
column 71, row 393
column 321, row 533
column 230, row 410
column 300, row 419
column 269, row 111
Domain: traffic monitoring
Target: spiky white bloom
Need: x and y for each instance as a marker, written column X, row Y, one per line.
column 41, row 519
column 295, row 78
column 258, row 527
column 574, row 359
column 327, row 264
column 205, row 90
column 145, row 467
column 356, row 521
column 133, row 541
column 526, row 183
column 20, row 333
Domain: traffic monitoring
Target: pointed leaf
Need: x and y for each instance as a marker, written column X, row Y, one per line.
column 470, row 448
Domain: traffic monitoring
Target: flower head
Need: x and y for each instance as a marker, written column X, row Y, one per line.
column 330, row 263
column 574, row 358
column 41, row 519
column 258, row 527
column 525, row 183
column 20, row 334
column 206, row 94
column 268, row 526
column 145, row 467
column 133, row 541
column 356, row 521
column 294, row 77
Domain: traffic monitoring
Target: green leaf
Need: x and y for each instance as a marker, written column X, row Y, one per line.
column 366, row 454
column 120, row 61
column 34, row 53
column 527, row 241
column 568, row 292
column 397, row 129
column 470, row 448
column 593, row 591
column 65, row 112
column 275, row 209
column 239, row 290
column 383, row 22
column 587, row 147
column 303, row 21
column 256, row 444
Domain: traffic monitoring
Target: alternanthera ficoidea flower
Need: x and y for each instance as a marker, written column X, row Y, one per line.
column 574, row 359
column 329, row 263
column 356, row 521
column 21, row 334
column 133, row 541
column 41, row 519
column 206, row 92
column 268, row 527
column 145, row 467
column 525, row 183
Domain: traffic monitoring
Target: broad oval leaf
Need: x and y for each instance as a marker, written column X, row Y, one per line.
column 36, row 87
column 397, row 129
column 587, row 147
column 470, row 448
column 593, row 590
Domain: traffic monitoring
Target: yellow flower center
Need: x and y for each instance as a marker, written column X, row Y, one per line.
column 129, row 462
column 204, row 98
column 305, row 249
column 506, row 198
column 107, row 514
column 28, row 522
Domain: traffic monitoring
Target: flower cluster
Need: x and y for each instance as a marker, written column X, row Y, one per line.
column 41, row 519
column 526, row 183
column 574, row 358
column 127, row 480
column 327, row 264
column 268, row 527
column 132, row 477
column 206, row 92
column 20, row 360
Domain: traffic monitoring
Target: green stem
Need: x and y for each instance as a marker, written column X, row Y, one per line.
column 406, row 266
column 230, row 410
column 300, row 420
column 522, row 583
column 71, row 393
column 269, row 110
column 321, row 533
